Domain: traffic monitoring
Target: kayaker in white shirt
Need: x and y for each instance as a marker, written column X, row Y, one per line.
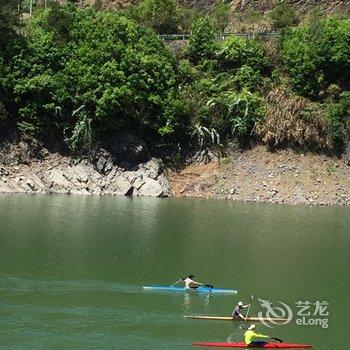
column 190, row 282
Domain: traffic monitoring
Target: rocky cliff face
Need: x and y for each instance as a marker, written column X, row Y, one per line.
column 27, row 167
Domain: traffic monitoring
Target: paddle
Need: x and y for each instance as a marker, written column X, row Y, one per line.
column 178, row 281
column 250, row 304
column 205, row 286
column 277, row 339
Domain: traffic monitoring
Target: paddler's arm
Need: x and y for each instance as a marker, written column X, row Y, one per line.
column 241, row 316
column 178, row 281
column 259, row 335
column 198, row 283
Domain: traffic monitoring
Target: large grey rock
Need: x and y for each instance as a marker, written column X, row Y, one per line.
column 153, row 167
column 56, row 181
column 81, row 173
column 35, row 184
column 151, row 188
column 164, row 182
column 123, row 185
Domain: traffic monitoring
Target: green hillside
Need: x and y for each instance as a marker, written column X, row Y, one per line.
column 74, row 74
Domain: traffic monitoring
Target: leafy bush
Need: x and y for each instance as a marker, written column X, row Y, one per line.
column 236, row 52
column 339, row 116
column 205, row 136
column 247, row 77
column 186, row 73
column 282, row 16
column 161, row 15
column 3, row 113
column 317, row 56
column 245, row 110
column 202, row 43
column 233, row 114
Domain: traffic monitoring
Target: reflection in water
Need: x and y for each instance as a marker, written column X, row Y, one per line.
column 205, row 298
column 187, row 300
column 237, row 334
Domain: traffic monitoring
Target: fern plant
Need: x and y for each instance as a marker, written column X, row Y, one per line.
column 82, row 133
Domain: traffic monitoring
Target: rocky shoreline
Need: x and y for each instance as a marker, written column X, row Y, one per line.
column 255, row 175
column 28, row 169
column 258, row 175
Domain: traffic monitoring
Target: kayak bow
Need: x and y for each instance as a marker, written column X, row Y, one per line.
column 245, row 346
column 201, row 289
column 230, row 318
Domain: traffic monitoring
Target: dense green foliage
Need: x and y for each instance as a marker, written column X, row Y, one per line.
column 317, row 56
column 9, row 44
column 161, row 15
column 120, row 73
column 78, row 74
column 202, row 43
column 236, row 52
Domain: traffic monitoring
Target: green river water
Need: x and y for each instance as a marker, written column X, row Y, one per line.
column 72, row 270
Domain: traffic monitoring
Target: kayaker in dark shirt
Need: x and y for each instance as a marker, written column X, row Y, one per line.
column 236, row 313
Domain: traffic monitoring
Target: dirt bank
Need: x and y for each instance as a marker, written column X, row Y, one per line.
column 260, row 176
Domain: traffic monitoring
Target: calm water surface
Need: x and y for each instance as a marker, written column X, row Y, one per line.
column 72, row 270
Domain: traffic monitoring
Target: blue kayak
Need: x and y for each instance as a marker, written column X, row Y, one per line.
column 201, row 289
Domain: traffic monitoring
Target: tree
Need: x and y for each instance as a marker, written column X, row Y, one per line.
column 202, row 43
column 9, row 24
column 318, row 55
column 121, row 73
column 161, row 15
column 10, row 42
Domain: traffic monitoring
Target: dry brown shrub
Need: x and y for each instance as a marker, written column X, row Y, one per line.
column 293, row 121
